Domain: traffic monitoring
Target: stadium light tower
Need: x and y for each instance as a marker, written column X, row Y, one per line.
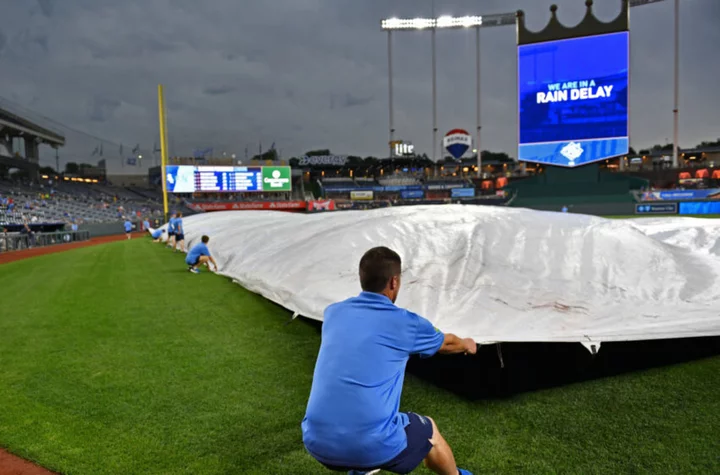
column 676, row 93
column 477, row 22
column 432, row 24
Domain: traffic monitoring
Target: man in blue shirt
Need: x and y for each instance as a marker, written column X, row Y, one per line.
column 157, row 234
column 171, row 231
column 128, row 227
column 353, row 422
column 179, row 233
column 199, row 254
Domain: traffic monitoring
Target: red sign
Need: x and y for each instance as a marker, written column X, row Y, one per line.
column 245, row 205
column 326, row 205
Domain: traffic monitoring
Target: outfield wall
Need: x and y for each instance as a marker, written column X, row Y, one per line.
column 104, row 229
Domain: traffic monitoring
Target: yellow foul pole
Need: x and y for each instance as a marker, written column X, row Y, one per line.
column 163, row 147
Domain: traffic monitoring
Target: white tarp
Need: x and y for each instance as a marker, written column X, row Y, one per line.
column 490, row 273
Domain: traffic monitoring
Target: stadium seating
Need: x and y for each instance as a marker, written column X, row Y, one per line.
column 66, row 202
column 398, row 181
column 330, row 183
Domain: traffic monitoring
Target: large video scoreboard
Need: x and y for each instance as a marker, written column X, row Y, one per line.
column 573, row 99
column 220, row 179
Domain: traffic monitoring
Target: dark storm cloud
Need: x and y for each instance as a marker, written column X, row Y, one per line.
column 46, row 7
column 219, row 90
column 240, row 73
column 352, row 101
column 102, row 109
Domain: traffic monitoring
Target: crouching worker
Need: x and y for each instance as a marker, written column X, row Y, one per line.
column 200, row 254
column 353, row 423
column 157, row 234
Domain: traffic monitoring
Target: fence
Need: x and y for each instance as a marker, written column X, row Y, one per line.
column 18, row 241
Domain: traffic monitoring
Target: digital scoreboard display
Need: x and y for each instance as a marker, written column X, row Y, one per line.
column 220, row 179
column 573, row 100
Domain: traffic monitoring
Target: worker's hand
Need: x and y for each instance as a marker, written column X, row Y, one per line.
column 470, row 346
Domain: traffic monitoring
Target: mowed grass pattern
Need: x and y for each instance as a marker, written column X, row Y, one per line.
column 115, row 359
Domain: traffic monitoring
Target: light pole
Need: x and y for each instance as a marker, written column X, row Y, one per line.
column 434, row 91
column 479, row 113
column 390, row 84
column 502, row 19
column 433, row 24
column 676, row 102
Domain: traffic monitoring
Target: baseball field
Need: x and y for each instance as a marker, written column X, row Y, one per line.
column 115, row 359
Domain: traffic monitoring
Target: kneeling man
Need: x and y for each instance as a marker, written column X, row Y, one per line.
column 353, row 422
column 199, row 254
column 156, row 234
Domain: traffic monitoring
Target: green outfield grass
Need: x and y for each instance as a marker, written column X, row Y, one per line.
column 114, row 359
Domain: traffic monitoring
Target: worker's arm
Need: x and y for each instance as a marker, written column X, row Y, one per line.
column 454, row 344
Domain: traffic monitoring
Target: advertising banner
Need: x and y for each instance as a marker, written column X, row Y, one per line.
column 707, row 207
column 321, row 205
column 361, row 195
column 679, row 195
column 446, row 186
column 323, row 160
column 276, row 179
column 437, row 195
column 250, row 205
column 412, row 194
column 657, row 208
column 463, row 193
column 400, row 188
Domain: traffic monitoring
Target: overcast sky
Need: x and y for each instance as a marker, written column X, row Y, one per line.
column 309, row 74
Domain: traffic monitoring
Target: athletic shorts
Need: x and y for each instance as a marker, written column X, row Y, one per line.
column 180, row 237
column 419, row 432
column 190, row 262
column 171, row 233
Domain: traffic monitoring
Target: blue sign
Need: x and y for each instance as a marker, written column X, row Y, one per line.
column 463, row 192
column 412, row 194
column 707, row 207
column 657, row 208
column 573, row 100
column 401, row 187
column 712, row 193
column 191, row 179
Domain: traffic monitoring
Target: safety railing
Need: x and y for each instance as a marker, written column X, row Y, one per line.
column 19, row 241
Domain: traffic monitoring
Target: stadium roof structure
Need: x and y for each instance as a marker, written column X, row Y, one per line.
column 20, row 126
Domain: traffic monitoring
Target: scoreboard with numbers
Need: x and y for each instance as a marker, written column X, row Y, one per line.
column 219, row 179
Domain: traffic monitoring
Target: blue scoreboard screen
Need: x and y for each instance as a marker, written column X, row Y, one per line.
column 573, row 100
column 190, row 179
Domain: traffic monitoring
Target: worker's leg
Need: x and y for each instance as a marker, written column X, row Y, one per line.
column 440, row 459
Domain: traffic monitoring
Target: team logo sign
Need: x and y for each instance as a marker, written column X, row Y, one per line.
column 572, row 152
column 276, row 179
column 457, row 142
